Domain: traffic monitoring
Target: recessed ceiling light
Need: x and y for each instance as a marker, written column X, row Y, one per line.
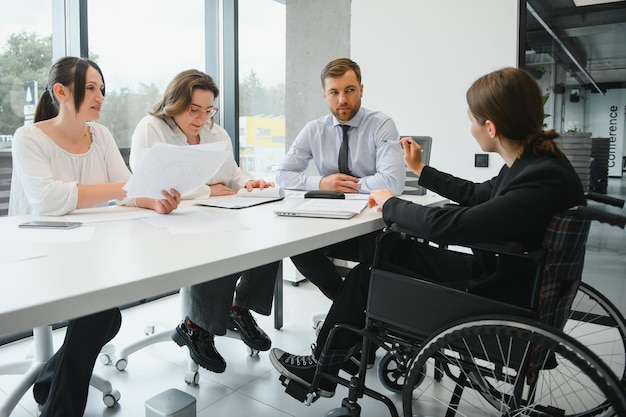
column 592, row 2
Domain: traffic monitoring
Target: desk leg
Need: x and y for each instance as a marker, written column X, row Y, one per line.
column 278, row 298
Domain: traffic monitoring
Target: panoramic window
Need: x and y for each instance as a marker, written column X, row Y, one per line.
column 140, row 45
column 25, row 57
column 261, row 85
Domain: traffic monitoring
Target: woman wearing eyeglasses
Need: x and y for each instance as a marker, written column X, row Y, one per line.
column 184, row 117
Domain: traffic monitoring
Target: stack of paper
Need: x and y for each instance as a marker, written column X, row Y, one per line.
column 183, row 168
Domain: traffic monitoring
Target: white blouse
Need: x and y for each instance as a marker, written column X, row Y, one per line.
column 45, row 177
column 152, row 129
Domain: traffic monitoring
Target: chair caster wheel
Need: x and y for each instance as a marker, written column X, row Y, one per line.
column 121, row 364
column 192, row 378
column 252, row 351
column 111, row 398
column 106, row 359
column 295, row 284
column 392, row 374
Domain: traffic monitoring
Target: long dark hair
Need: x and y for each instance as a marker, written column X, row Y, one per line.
column 511, row 99
column 71, row 72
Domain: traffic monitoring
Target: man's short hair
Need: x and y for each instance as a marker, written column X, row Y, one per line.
column 338, row 67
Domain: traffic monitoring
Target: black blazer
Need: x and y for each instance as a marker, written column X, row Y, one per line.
column 515, row 206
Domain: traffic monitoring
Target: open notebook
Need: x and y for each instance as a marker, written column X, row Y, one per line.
column 323, row 207
column 244, row 198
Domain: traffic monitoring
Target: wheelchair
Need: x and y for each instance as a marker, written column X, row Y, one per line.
column 450, row 352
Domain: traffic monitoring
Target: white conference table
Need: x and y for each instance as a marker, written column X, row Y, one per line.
column 128, row 260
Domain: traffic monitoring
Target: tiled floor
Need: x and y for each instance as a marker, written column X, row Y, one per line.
column 250, row 385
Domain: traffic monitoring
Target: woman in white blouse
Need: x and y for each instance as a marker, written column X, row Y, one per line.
column 184, row 117
column 62, row 162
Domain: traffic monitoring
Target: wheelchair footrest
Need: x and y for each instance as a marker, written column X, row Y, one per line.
column 298, row 391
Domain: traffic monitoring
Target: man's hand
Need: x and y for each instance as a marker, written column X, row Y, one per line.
column 343, row 183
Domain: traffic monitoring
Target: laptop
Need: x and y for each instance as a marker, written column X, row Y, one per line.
column 328, row 208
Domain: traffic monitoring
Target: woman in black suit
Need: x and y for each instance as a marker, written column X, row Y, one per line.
column 537, row 181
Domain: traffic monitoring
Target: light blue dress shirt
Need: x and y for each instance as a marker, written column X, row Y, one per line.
column 375, row 155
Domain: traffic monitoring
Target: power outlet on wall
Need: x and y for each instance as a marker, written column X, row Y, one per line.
column 481, row 160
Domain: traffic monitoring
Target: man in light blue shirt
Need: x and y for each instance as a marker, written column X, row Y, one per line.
column 375, row 158
column 374, row 161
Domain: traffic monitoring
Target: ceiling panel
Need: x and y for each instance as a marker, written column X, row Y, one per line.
column 594, row 36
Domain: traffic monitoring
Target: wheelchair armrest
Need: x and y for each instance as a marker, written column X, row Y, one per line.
column 602, row 216
column 504, row 248
column 605, row 199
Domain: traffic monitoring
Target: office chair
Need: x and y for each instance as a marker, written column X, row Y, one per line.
column 119, row 359
column 42, row 351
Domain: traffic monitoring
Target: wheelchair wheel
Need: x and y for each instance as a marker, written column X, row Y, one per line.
column 599, row 325
column 392, row 373
column 481, row 360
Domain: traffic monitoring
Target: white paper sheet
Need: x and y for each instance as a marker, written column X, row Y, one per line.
column 188, row 220
column 165, row 166
column 108, row 214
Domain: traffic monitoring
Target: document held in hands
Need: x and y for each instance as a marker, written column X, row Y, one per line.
column 245, row 198
column 183, row 168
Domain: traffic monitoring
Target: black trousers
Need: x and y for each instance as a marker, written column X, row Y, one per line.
column 317, row 267
column 63, row 383
column 212, row 301
column 405, row 257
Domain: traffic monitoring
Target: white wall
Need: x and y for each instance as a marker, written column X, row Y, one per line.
column 419, row 58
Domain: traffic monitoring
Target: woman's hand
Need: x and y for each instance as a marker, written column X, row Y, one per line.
column 258, row 184
column 163, row 206
column 169, row 203
column 221, row 189
column 379, row 198
column 412, row 155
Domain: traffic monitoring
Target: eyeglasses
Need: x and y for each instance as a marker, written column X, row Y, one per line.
column 197, row 111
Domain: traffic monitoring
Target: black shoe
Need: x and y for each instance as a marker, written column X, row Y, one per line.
column 201, row 346
column 301, row 369
column 41, row 391
column 242, row 322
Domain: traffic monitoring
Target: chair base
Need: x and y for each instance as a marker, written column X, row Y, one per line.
column 43, row 350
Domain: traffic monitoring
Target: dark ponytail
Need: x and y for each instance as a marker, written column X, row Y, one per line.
column 46, row 108
column 543, row 143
